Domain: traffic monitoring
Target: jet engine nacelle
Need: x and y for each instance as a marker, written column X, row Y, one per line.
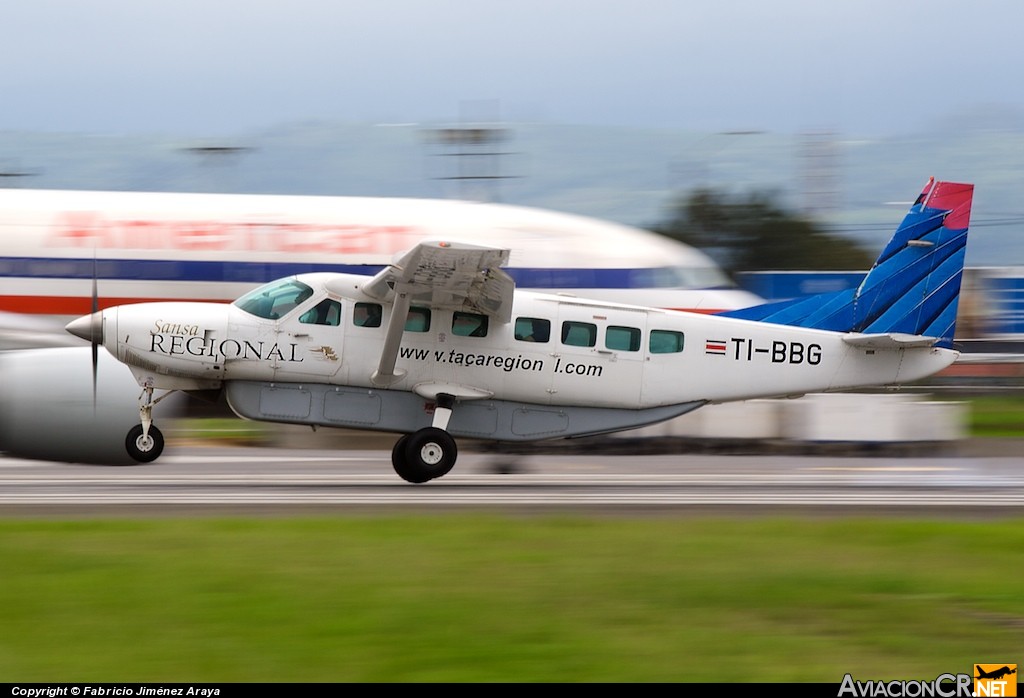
column 47, row 410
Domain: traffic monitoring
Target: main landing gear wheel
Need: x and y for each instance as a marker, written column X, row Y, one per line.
column 424, row 455
column 144, row 450
column 398, row 456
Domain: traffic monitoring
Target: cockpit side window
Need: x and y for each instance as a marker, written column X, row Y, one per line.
column 276, row 299
column 326, row 312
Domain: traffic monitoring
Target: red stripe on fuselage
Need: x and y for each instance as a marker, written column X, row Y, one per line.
column 75, row 305
column 699, row 311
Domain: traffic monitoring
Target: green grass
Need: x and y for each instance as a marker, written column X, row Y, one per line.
column 225, row 430
column 997, row 416
column 506, row 598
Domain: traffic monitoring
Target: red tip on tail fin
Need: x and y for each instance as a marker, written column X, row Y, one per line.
column 955, row 198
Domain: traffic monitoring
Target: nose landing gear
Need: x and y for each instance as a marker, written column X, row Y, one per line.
column 144, row 441
column 145, row 448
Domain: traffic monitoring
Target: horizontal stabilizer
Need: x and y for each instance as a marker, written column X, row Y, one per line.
column 889, row 340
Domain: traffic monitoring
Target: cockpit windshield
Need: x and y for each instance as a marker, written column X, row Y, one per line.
column 276, row 299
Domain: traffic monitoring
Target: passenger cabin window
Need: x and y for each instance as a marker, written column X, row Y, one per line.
column 326, row 312
column 469, row 324
column 418, row 320
column 666, row 342
column 579, row 334
column 367, row 315
column 622, row 338
column 276, row 299
column 533, row 329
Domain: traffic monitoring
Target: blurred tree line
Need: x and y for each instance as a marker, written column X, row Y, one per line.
column 753, row 232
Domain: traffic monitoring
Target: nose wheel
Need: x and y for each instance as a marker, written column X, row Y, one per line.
column 145, row 448
column 144, row 442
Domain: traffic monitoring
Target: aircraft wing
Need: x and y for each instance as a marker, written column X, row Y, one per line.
column 445, row 275
column 450, row 276
column 889, row 340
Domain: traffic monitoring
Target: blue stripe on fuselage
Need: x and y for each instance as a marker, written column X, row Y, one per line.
column 262, row 272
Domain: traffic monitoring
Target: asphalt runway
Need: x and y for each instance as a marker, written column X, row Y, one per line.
column 225, row 480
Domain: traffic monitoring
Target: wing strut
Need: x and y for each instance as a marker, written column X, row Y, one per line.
column 386, row 374
column 445, row 275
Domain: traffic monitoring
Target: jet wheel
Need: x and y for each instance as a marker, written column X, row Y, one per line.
column 425, row 455
column 144, row 450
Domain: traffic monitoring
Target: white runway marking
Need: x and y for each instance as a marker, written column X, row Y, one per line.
column 261, row 479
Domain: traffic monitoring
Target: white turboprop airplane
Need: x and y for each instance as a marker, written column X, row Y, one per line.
column 439, row 344
column 63, row 251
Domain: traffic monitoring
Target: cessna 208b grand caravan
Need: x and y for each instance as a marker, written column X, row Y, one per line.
column 65, row 253
column 440, row 344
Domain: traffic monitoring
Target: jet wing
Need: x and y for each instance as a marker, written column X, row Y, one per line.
column 889, row 340
column 444, row 275
column 450, row 276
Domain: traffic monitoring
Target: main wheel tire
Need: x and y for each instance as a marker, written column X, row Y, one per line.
column 398, row 451
column 144, row 450
column 401, row 464
column 429, row 453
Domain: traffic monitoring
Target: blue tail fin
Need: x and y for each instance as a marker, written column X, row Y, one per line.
column 914, row 286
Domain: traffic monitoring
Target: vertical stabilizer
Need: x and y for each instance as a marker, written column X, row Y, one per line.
column 914, row 285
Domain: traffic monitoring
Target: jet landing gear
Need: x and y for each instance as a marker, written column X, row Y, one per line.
column 144, row 442
column 429, row 453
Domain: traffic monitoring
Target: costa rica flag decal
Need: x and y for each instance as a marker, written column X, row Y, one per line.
column 715, row 346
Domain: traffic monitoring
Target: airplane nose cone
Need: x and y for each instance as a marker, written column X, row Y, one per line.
column 88, row 327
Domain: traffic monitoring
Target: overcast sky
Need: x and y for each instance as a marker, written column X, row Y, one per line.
column 223, row 67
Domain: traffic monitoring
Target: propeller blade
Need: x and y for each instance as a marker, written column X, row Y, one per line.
column 94, row 342
column 95, row 366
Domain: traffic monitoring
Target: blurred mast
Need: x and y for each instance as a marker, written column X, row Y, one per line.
column 819, row 174
column 11, row 177
column 215, row 161
column 696, row 169
column 471, row 153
